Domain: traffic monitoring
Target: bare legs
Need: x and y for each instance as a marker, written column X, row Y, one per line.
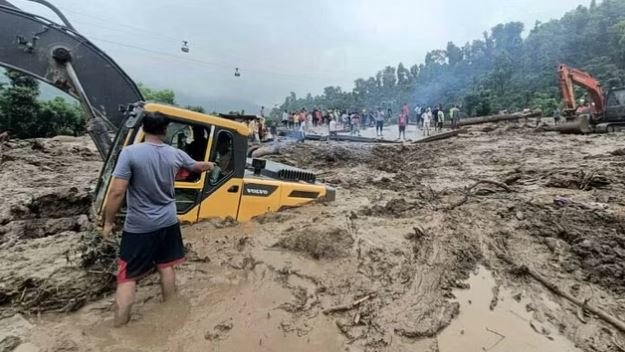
column 125, row 295
column 168, row 282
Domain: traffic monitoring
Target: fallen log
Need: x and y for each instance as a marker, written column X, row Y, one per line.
column 605, row 316
column 346, row 307
column 344, row 138
column 437, row 137
column 576, row 126
column 496, row 118
column 265, row 150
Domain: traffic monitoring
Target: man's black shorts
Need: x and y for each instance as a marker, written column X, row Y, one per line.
column 139, row 253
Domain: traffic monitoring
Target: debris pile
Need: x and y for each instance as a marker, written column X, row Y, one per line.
column 380, row 269
column 51, row 258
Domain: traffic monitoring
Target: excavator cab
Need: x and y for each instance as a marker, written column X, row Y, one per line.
column 67, row 60
column 233, row 189
column 615, row 105
column 606, row 112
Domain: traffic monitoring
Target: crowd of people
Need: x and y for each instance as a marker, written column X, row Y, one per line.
column 352, row 121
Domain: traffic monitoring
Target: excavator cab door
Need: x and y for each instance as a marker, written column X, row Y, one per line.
column 194, row 139
column 221, row 196
column 615, row 106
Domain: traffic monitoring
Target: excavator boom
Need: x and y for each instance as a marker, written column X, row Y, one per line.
column 60, row 56
column 572, row 76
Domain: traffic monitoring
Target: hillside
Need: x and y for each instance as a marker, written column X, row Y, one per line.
column 501, row 70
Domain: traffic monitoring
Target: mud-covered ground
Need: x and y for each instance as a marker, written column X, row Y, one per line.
column 425, row 249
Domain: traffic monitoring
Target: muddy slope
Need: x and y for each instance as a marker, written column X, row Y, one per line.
column 385, row 267
column 51, row 259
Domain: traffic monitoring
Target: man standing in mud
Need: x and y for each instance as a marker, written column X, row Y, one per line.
column 145, row 174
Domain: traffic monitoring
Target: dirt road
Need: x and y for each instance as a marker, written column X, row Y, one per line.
column 425, row 249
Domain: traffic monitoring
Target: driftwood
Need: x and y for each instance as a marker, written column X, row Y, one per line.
column 497, row 118
column 346, row 307
column 605, row 316
column 265, row 150
column 467, row 191
column 578, row 125
column 439, row 136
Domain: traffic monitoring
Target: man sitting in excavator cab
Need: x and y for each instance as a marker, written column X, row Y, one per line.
column 197, row 148
column 178, row 135
column 222, row 159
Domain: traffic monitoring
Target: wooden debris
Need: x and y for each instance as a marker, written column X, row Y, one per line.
column 605, row 316
column 467, row 191
column 346, row 307
column 439, row 136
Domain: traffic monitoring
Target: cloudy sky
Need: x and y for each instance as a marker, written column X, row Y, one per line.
column 280, row 45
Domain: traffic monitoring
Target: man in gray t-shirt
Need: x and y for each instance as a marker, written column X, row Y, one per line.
column 150, row 169
column 145, row 173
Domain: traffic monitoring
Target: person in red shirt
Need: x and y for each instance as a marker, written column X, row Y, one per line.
column 402, row 121
column 406, row 110
column 317, row 117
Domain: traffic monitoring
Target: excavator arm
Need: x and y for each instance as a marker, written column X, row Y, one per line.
column 62, row 57
column 570, row 77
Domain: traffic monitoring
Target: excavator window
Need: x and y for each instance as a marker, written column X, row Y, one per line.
column 616, row 98
column 223, row 157
column 193, row 139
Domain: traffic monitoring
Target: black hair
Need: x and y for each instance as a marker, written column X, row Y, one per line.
column 155, row 123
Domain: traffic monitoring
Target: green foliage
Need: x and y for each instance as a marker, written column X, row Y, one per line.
column 165, row 96
column 56, row 117
column 500, row 71
column 196, row 108
column 19, row 105
column 26, row 117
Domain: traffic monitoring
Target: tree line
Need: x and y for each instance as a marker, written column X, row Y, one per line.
column 24, row 115
column 499, row 71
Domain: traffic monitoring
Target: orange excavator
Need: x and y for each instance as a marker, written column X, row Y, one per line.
column 600, row 112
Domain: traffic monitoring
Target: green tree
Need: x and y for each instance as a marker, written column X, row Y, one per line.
column 26, row 117
column 19, row 105
column 454, row 54
column 500, row 70
column 196, row 108
column 165, row 96
column 57, row 117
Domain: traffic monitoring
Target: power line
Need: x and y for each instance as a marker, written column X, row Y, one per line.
column 204, row 62
column 249, row 68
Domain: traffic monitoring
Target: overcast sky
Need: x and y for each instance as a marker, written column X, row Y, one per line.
column 280, row 45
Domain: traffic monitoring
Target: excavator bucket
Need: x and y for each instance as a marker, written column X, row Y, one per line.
column 579, row 125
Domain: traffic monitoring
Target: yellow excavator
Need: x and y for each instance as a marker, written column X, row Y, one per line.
column 239, row 187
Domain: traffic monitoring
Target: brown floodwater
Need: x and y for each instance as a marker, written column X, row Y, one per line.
column 508, row 327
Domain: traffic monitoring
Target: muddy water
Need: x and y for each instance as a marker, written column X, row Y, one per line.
column 508, row 327
column 228, row 311
column 247, row 290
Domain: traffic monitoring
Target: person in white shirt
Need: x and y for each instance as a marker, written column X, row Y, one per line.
column 427, row 118
column 344, row 119
column 302, row 132
column 333, row 127
column 418, row 112
column 285, row 118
